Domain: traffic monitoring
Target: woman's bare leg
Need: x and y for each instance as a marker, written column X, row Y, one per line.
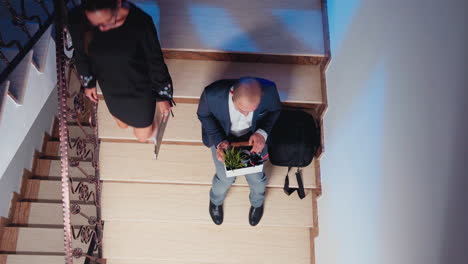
column 120, row 123
column 146, row 133
column 143, row 134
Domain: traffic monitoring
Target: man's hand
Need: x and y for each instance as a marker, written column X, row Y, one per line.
column 91, row 93
column 220, row 150
column 257, row 142
column 164, row 108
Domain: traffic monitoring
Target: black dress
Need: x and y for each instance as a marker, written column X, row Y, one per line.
column 126, row 61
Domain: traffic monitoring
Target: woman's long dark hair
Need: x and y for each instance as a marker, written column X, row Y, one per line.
column 94, row 5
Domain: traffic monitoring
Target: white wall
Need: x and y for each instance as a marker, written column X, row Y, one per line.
column 395, row 180
column 22, row 159
column 22, row 126
column 17, row 119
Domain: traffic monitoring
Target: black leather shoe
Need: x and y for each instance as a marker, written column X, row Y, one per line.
column 216, row 213
column 255, row 215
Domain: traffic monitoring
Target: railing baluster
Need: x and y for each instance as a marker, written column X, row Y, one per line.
column 62, row 106
column 72, row 108
column 87, row 148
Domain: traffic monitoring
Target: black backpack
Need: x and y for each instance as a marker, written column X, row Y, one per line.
column 294, row 141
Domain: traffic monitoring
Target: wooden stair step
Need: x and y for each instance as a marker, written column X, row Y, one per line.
column 178, row 164
column 48, row 214
column 53, row 150
column 52, row 190
column 35, row 240
column 184, row 127
column 36, row 259
column 189, row 204
column 75, row 131
column 147, row 261
column 206, row 243
column 296, row 83
column 49, row 167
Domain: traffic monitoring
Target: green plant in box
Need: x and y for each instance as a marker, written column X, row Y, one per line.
column 233, row 158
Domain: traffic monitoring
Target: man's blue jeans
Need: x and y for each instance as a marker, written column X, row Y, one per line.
column 221, row 183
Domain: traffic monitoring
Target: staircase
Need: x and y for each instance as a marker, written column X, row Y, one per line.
column 156, row 211
column 33, row 232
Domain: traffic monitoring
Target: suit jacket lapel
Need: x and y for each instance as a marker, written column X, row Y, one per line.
column 224, row 108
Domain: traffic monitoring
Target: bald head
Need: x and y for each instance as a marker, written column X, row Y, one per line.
column 247, row 95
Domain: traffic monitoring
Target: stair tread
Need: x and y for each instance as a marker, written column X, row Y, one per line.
column 184, row 127
column 189, row 204
column 37, row 259
column 178, row 164
column 35, row 240
column 206, row 243
column 75, row 132
column 51, row 190
column 264, row 27
column 47, row 167
column 48, row 214
column 295, row 83
column 151, row 261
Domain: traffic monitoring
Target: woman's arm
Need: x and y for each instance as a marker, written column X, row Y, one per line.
column 76, row 28
column 161, row 81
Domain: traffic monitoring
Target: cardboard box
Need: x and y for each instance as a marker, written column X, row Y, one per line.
column 243, row 171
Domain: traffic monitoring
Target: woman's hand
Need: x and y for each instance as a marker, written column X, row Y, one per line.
column 91, row 93
column 164, row 108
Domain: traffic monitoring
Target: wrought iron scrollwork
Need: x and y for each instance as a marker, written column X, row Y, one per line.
column 83, row 186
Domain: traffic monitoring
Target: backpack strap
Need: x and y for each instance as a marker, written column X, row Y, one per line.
column 286, row 188
column 300, row 190
column 300, row 183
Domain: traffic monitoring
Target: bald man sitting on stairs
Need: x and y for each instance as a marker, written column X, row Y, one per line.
column 231, row 111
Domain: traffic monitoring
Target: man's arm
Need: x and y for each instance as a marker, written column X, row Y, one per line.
column 211, row 125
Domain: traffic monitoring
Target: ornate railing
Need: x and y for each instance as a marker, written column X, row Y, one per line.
column 75, row 109
column 16, row 11
column 79, row 187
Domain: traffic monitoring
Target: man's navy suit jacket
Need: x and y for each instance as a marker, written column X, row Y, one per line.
column 213, row 110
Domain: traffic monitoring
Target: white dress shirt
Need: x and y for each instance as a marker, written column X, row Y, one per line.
column 241, row 124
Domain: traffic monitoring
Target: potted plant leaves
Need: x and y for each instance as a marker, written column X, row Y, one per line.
column 238, row 160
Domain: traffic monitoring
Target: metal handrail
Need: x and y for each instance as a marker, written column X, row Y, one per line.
column 19, row 19
column 73, row 108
